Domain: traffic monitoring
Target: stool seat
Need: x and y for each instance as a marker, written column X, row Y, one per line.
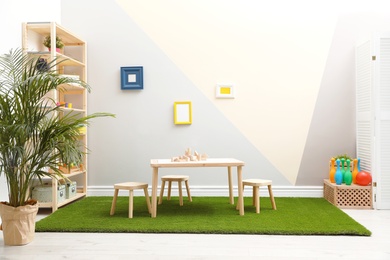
column 253, row 182
column 256, row 184
column 130, row 186
column 179, row 179
column 175, row 178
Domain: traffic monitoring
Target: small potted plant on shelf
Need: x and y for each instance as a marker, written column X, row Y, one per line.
column 59, row 43
column 34, row 137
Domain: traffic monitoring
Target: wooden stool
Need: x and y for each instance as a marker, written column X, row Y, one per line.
column 130, row 186
column 256, row 183
column 170, row 179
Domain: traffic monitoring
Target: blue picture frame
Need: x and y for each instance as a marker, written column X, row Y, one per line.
column 132, row 78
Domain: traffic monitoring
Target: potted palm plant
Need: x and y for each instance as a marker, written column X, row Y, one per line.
column 34, row 138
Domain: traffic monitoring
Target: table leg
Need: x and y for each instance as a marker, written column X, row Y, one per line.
column 231, row 197
column 240, row 190
column 154, row 192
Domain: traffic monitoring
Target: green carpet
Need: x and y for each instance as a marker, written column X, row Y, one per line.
column 212, row 215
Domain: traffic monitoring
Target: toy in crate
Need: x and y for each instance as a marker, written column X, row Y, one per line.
column 345, row 170
column 348, row 186
column 43, row 193
column 70, row 190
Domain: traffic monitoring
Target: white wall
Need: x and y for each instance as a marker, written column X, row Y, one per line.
column 292, row 64
column 12, row 14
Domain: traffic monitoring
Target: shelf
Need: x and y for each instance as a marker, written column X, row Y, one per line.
column 70, row 175
column 76, row 197
column 71, row 88
column 67, row 175
column 61, row 58
column 50, row 204
column 65, row 109
column 43, row 28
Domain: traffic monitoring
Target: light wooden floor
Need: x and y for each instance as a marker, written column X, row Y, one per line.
column 186, row 246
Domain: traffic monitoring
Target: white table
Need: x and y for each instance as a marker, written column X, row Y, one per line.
column 210, row 162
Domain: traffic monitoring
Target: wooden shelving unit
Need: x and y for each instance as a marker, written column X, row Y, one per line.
column 73, row 63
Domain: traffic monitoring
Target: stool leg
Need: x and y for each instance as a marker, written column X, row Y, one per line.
column 188, row 191
column 169, row 189
column 130, row 203
column 114, row 202
column 271, row 196
column 160, row 200
column 180, row 193
column 148, row 200
column 256, row 198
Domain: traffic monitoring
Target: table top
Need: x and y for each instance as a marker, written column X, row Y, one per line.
column 209, row 162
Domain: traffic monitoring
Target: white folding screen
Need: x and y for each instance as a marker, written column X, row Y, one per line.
column 373, row 114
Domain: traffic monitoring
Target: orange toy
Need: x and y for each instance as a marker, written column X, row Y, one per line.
column 332, row 170
column 355, row 171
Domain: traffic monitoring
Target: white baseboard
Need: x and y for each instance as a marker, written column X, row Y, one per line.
column 205, row 191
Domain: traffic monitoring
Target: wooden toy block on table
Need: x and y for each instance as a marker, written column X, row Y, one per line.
column 189, row 157
column 348, row 196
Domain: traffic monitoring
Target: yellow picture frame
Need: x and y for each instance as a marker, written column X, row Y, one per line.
column 224, row 91
column 182, row 111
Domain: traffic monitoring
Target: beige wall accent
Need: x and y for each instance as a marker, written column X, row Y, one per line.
column 274, row 59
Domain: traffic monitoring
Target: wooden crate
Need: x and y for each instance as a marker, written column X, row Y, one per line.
column 348, row 196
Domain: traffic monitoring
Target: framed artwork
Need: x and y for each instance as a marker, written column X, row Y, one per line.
column 224, row 91
column 182, row 112
column 132, row 78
